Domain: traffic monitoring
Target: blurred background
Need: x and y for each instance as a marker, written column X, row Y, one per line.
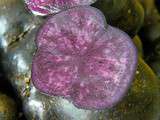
column 142, row 24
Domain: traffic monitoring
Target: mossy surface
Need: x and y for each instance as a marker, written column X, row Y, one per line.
column 127, row 15
column 142, row 100
column 7, row 108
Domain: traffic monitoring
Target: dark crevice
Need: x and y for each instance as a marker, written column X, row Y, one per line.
column 18, row 38
column 7, row 88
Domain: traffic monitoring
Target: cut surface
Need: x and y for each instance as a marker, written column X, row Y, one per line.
column 45, row 7
column 82, row 61
column 74, row 24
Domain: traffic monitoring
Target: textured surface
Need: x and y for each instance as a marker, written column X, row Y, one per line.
column 45, row 7
column 87, row 19
column 8, row 109
column 128, row 15
column 16, row 60
column 17, row 57
column 82, row 61
column 142, row 101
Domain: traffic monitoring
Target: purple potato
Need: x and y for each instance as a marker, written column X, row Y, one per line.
column 46, row 7
column 82, row 61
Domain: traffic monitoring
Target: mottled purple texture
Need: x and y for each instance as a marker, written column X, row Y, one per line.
column 45, row 7
column 80, row 60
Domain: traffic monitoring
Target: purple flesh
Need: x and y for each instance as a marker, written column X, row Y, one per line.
column 67, row 24
column 45, row 7
column 80, row 60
